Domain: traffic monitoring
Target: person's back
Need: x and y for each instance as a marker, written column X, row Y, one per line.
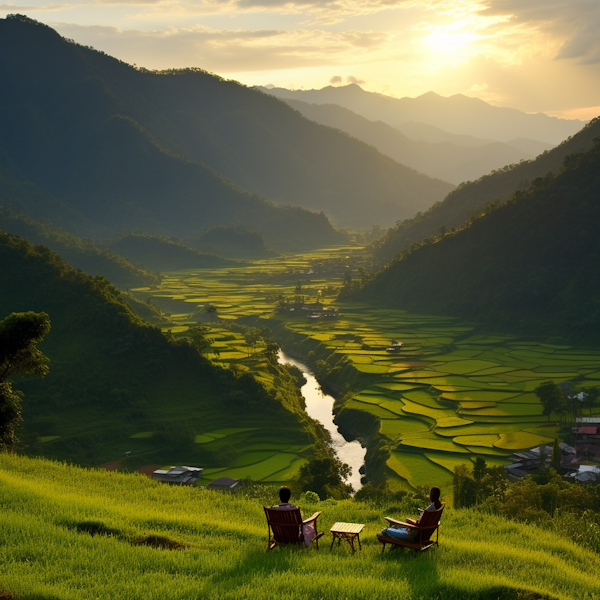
column 284, row 496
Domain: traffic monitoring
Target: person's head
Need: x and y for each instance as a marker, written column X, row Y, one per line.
column 434, row 496
column 285, row 494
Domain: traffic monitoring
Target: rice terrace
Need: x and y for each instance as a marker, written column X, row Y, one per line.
column 450, row 393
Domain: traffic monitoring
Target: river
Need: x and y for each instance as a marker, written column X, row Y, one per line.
column 319, row 406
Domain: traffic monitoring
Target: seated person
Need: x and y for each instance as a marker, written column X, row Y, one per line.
column 284, row 496
column 407, row 534
column 309, row 530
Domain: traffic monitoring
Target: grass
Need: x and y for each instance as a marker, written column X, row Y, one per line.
column 71, row 534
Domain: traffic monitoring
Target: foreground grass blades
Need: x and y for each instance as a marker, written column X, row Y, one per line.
column 45, row 551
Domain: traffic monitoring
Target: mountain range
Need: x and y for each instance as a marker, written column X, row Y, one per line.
column 458, row 114
column 468, row 199
column 108, row 147
column 452, row 161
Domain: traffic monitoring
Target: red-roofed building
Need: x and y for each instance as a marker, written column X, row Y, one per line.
column 588, row 430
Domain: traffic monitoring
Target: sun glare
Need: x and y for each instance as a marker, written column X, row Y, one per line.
column 446, row 41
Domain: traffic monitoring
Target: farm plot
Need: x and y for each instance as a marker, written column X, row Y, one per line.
column 470, row 396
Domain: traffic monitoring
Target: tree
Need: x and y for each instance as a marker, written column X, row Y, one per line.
column 251, row 337
column 463, row 487
column 551, row 397
column 19, row 334
column 556, row 455
column 324, row 475
column 591, row 397
column 211, row 311
column 200, row 339
column 271, row 350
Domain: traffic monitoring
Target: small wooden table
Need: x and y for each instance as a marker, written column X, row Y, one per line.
column 348, row 532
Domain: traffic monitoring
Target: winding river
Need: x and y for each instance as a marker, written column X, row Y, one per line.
column 319, row 406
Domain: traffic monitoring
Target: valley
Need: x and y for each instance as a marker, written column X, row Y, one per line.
column 451, row 392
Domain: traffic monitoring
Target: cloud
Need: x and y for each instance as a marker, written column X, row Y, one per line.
column 356, row 80
column 231, row 50
column 14, row 8
column 335, row 80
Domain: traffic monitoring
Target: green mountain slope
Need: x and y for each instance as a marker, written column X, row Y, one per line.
column 70, row 533
column 234, row 242
column 531, row 263
column 469, row 198
column 112, row 376
column 78, row 252
column 170, row 152
column 162, row 254
column 445, row 160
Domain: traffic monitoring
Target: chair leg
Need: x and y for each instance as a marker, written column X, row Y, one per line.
column 383, row 549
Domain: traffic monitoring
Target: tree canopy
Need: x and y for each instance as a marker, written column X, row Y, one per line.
column 19, row 334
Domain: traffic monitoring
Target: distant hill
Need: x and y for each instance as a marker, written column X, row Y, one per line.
column 162, row 254
column 112, row 376
column 444, row 160
column 78, row 252
column 233, row 242
column 457, row 114
column 532, row 263
column 469, row 198
column 174, row 152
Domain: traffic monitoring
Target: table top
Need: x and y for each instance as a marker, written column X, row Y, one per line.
column 347, row 528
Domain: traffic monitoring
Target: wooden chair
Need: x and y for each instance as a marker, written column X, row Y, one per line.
column 286, row 527
column 430, row 522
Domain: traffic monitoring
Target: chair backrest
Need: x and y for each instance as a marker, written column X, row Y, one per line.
column 430, row 520
column 285, row 524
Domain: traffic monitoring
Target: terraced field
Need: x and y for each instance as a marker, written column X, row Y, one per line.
column 447, row 395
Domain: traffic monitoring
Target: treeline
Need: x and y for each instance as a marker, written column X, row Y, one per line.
column 470, row 198
column 529, row 264
column 80, row 253
column 545, row 499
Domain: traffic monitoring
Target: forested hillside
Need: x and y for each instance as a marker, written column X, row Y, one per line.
column 78, row 252
column 112, row 376
column 163, row 254
column 173, row 152
column 531, row 263
column 445, row 160
column 469, row 198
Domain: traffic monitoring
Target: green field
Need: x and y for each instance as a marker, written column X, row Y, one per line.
column 473, row 391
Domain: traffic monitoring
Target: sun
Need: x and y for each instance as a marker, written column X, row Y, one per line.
column 447, row 41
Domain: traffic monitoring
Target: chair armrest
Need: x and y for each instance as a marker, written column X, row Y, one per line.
column 314, row 517
column 401, row 523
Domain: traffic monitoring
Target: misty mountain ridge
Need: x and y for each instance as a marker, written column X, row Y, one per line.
column 178, row 152
column 443, row 159
column 458, row 114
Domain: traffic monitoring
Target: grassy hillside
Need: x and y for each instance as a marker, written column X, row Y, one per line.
column 234, row 242
column 78, row 252
column 469, row 198
column 117, row 385
column 530, row 263
column 69, row 533
column 167, row 151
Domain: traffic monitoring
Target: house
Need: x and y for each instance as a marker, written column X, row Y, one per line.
column 178, row 475
column 586, row 474
column 587, row 438
column 225, row 484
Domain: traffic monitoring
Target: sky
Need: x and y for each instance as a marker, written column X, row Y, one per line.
column 533, row 55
